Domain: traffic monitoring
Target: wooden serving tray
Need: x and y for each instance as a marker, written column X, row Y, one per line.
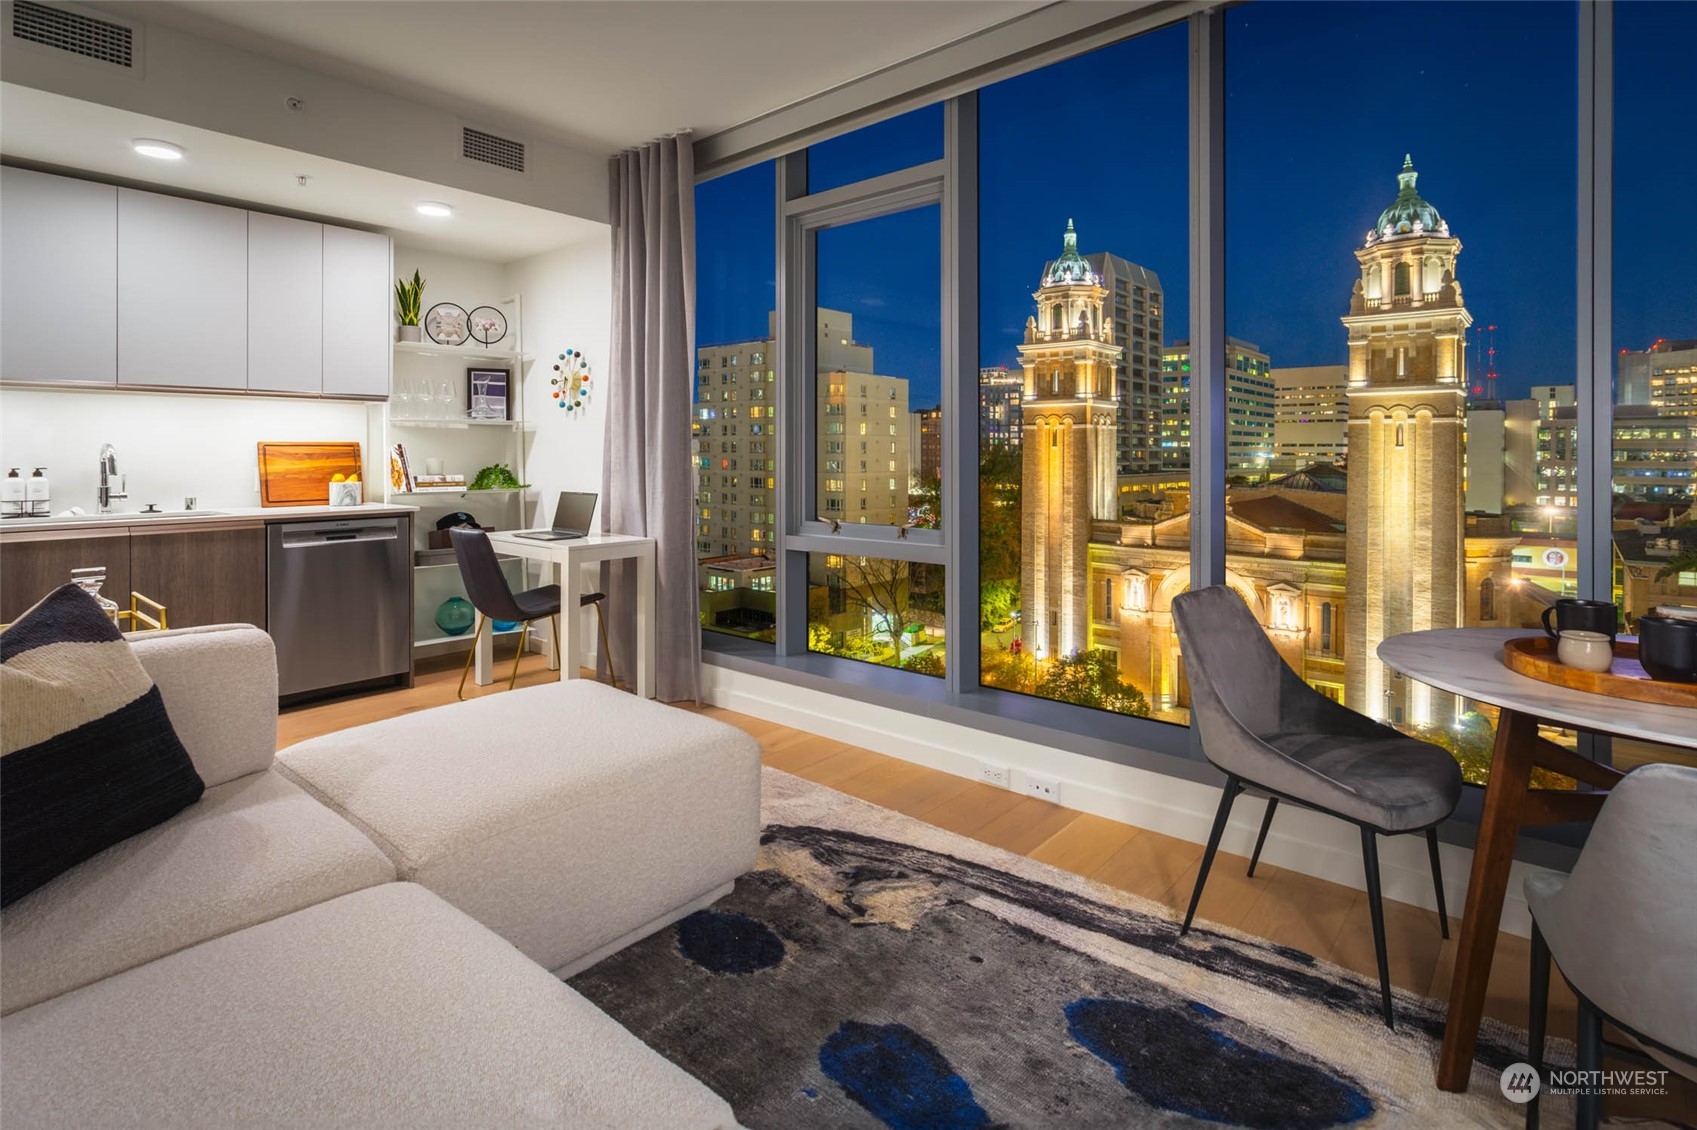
column 1535, row 657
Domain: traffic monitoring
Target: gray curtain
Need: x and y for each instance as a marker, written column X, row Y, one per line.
column 647, row 475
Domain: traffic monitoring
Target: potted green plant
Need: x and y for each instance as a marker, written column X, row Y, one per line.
column 409, row 299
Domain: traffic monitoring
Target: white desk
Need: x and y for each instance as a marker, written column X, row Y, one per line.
column 568, row 559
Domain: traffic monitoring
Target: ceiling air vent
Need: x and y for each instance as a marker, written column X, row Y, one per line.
column 96, row 39
column 502, row 152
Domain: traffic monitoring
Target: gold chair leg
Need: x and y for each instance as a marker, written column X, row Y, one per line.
column 559, row 656
column 518, row 655
column 470, row 655
column 606, row 648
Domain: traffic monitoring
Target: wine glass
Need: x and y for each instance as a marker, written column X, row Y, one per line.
column 445, row 394
column 403, row 397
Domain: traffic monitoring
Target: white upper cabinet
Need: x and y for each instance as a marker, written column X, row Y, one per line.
column 182, row 292
column 58, row 279
column 285, row 304
column 358, row 333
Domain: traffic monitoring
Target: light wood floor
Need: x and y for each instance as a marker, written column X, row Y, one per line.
column 1322, row 918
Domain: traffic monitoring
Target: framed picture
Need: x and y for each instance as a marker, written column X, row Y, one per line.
column 488, row 391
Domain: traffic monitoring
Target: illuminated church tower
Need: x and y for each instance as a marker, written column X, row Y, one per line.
column 1407, row 332
column 1070, row 415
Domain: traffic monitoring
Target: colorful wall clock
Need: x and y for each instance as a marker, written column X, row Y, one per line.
column 571, row 381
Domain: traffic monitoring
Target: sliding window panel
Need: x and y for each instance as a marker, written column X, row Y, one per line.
column 914, row 138
column 1084, row 416
column 735, row 427
column 1655, row 328
column 1401, row 363
column 877, row 392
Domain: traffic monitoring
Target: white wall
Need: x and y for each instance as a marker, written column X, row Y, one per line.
column 169, row 445
column 568, row 304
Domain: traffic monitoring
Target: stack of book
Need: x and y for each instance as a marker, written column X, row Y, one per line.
column 438, row 482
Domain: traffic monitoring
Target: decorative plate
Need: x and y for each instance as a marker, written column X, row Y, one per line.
column 571, row 381
column 488, row 325
column 446, row 324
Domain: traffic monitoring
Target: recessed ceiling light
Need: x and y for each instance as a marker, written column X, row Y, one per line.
column 158, row 150
column 435, row 208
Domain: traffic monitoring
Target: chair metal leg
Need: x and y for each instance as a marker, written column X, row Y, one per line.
column 606, row 648
column 1588, row 1057
column 1537, row 1015
column 1233, row 787
column 1438, row 881
column 559, row 660
column 518, row 655
column 1266, row 822
column 470, row 655
column 1376, row 906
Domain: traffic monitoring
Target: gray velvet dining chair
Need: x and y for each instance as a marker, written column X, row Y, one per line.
column 1273, row 734
column 1622, row 929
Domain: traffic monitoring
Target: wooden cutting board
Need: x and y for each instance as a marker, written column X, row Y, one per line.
column 298, row 474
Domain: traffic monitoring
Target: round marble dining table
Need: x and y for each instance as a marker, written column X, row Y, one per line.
column 1469, row 662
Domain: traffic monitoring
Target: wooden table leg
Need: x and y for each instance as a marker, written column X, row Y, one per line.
column 1493, row 855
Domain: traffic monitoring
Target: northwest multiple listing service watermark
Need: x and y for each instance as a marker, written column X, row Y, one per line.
column 1521, row 1082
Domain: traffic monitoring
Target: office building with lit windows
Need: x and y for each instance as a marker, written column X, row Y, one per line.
column 1250, row 407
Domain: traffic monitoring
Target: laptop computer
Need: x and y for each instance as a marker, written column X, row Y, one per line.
column 571, row 517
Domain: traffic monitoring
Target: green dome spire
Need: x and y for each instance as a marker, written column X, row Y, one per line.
column 1071, row 267
column 1408, row 214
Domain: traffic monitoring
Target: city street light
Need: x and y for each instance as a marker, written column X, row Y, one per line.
column 1549, row 521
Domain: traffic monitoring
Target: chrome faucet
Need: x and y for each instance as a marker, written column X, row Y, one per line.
column 109, row 471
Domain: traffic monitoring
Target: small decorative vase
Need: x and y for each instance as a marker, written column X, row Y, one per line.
column 406, row 333
column 455, row 615
column 504, row 625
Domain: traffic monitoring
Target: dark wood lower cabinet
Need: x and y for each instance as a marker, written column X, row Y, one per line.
column 206, row 576
column 29, row 570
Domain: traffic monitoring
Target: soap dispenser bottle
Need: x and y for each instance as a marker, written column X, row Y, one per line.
column 40, row 500
column 13, row 497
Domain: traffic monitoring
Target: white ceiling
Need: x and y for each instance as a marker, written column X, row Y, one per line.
column 42, row 128
column 596, row 74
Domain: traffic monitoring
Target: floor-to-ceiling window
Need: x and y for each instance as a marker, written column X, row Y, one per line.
column 1084, row 395
column 735, row 429
column 1392, row 382
column 1654, row 438
column 1407, row 279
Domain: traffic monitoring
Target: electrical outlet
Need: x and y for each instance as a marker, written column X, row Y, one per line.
column 992, row 774
column 1043, row 788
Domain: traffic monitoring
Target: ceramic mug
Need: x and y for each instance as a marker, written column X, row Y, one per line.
column 1667, row 647
column 1588, row 651
column 1581, row 615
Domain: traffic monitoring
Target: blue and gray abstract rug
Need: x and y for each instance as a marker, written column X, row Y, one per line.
column 875, row 970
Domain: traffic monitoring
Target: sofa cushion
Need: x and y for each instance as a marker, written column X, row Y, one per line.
column 220, row 685
column 386, row 1007
column 564, row 817
column 251, row 850
column 90, row 757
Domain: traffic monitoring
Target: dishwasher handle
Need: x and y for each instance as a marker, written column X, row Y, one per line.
column 307, row 535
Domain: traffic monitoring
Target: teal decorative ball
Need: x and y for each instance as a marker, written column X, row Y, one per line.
column 455, row 615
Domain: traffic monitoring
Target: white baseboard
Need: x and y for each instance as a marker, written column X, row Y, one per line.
column 1301, row 840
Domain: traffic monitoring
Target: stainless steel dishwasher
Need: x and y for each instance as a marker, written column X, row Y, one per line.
column 339, row 601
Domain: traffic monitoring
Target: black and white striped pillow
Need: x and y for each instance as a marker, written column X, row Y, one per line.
column 88, row 756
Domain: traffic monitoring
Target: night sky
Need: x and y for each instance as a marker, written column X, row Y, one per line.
column 1323, row 101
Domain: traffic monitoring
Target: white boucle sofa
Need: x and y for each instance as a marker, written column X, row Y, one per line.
column 361, row 933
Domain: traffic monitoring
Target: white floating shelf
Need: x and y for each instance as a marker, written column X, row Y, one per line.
column 464, row 637
column 426, row 422
column 471, row 352
column 444, row 491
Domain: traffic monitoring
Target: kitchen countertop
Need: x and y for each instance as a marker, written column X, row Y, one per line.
column 16, row 529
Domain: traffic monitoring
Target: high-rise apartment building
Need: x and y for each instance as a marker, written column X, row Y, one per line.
column 863, row 464
column 736, row 437
column 1310, row 416
column 1501, row 455
column 1663, row 377
column 925, row 443
column 1249, row 408
column 999, row 389
column 1655, row 455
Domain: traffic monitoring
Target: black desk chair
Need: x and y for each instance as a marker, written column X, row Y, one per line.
column 486, row 586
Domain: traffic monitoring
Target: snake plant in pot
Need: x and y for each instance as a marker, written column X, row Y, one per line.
column 409, row 299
